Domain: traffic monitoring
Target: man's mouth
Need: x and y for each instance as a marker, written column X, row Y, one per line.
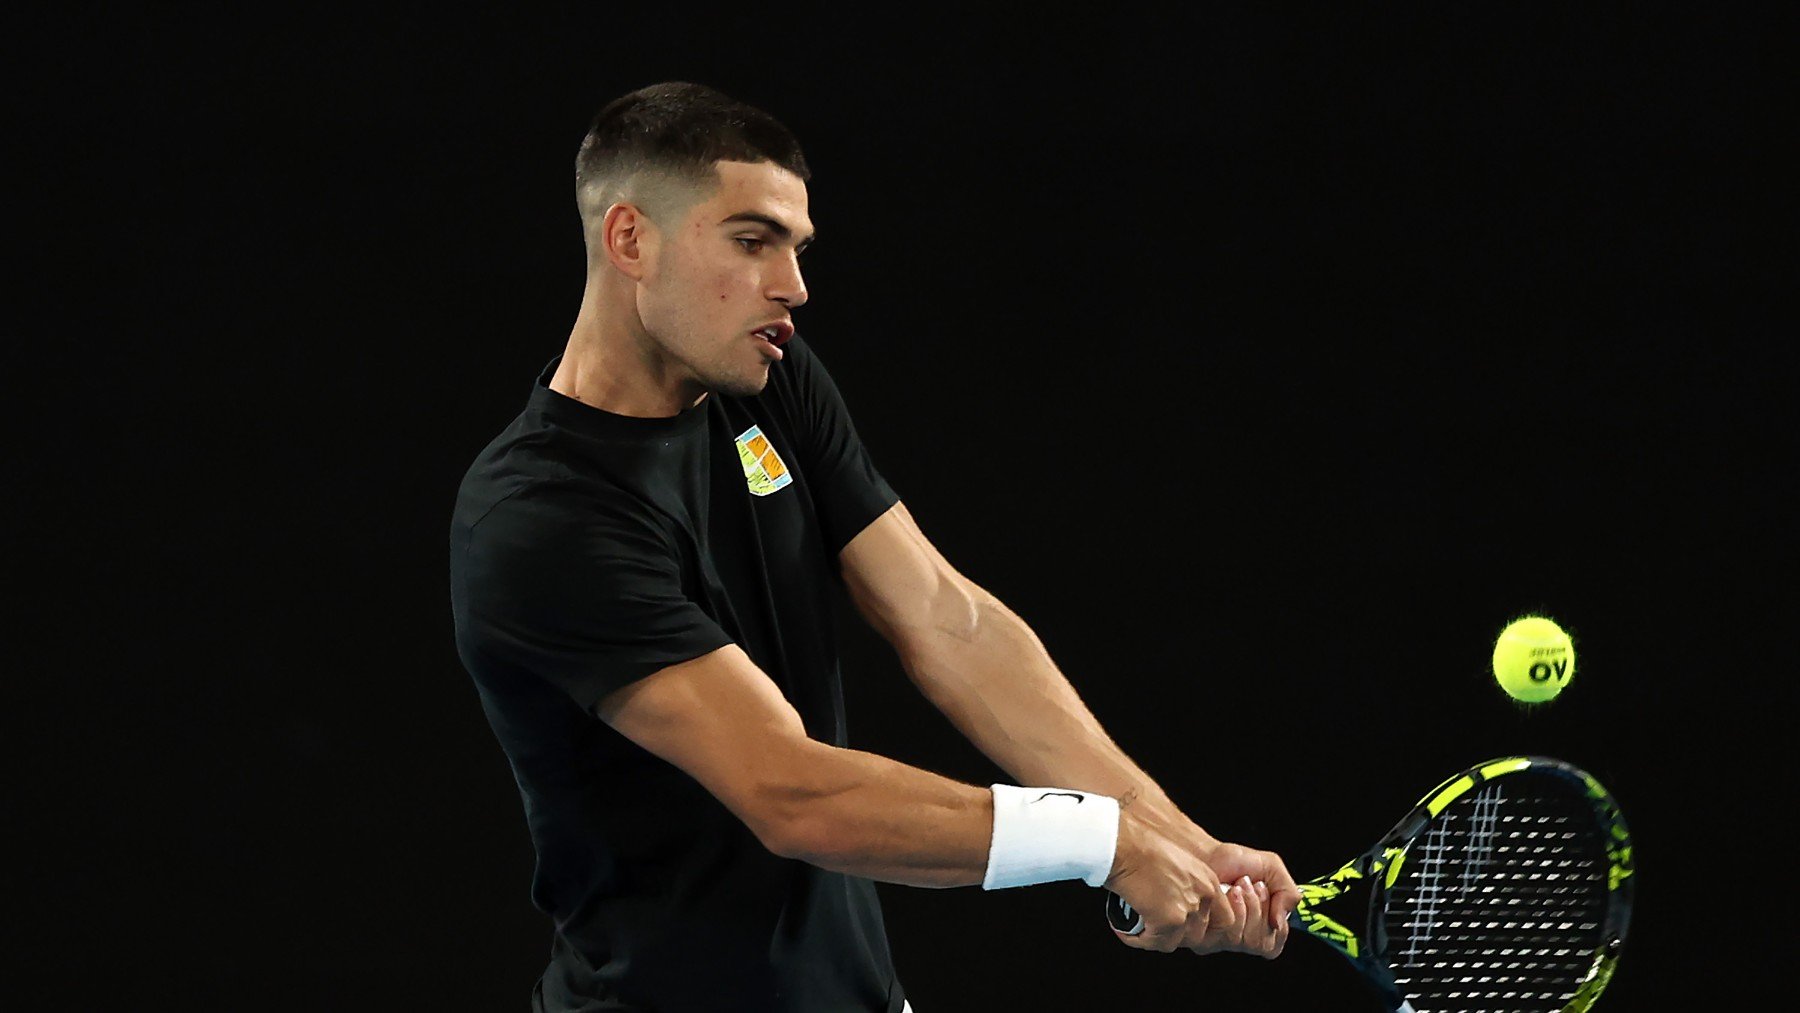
column 774, row 335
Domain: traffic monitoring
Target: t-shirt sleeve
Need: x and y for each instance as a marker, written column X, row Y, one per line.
column 847, row 490
column 589, row 605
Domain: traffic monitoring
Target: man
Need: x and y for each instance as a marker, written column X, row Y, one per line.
column 641, row 567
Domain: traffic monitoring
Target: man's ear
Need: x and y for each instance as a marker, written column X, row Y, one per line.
column 628, row 239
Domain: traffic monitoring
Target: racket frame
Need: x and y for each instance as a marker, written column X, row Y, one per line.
column 1327, row 910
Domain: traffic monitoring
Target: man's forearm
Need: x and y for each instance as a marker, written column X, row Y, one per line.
column 867, row 815
column 998, row 685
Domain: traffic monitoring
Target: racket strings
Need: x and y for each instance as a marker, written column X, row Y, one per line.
column 1502, row 906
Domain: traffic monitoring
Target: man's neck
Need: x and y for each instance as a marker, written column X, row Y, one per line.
column 604, row 368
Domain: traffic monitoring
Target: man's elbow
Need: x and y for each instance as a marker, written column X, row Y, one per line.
column 790, row 809
column 782, row 826
column 799, row 840
column 960, row 609
column 960, row 620
column 951, row 617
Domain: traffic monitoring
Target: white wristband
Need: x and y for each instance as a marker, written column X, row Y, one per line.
column 1042, row 835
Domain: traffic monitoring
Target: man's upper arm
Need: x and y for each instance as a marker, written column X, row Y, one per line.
column 904, row 586
column 721, row 720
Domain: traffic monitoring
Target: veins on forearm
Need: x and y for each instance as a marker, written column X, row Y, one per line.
column 965, row 617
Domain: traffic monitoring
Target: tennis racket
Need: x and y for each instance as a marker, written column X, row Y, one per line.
column 1507, row 889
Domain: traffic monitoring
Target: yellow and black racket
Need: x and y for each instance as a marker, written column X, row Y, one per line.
column 1507, row 889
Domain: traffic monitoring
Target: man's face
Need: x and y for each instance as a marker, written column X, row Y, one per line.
column 729, row 268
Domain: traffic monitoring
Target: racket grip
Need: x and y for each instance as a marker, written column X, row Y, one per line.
column 1125, row 919
column 1122, row 916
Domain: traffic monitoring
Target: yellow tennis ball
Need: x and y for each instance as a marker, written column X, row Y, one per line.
column 1533, row 659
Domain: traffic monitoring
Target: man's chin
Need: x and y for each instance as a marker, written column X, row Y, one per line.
column 741, row 386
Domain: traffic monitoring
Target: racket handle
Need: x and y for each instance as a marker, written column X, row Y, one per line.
column 1125, row 918
column 1122, row 916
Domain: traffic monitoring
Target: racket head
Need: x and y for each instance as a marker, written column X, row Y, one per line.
column 1509, row 886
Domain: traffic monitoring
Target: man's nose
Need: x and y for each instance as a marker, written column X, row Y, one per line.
column 786, row 286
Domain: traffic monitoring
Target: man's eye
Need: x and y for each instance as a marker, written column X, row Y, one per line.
column 751, row 245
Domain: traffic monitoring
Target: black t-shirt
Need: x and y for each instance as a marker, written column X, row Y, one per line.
column 590, row 549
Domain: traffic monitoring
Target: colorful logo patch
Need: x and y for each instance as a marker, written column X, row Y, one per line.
column 763, row 467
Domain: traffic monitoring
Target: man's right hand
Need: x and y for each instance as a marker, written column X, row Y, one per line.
column 1196, row 892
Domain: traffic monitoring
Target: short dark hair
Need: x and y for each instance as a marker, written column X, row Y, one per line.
column 657, row 147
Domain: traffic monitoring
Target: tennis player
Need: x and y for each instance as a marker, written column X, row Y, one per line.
column 643, row 565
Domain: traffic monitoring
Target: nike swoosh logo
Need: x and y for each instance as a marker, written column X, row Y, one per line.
column 1064, row 794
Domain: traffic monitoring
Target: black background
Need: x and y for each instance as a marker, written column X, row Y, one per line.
column 1266, row 365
